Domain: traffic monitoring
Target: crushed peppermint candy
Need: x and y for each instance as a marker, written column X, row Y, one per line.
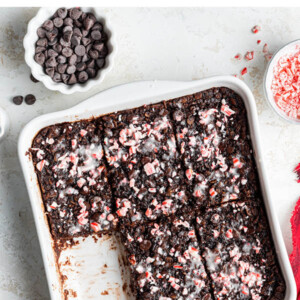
column 285, row 85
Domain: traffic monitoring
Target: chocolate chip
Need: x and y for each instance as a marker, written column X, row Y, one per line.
column 51, row 43
column 94, row 54
column 64, row 43
column 51, row 62
column 91, row 72
column 39, row 58
column 83, row 76
column 58, row 22
column 77, row 23
column 30, row 99
column 80, row 50
column 71, row 69
column 75, row 40
column 67, row 52
column 103, row 52
column 42, row 42
column 61, row 59
column 52, row 53
column 51, row 35
column 72, row 59
column 39, row 49
column 56, row 77
column 72, row 79
column 75, row 13
column 77, row 32
column 18, row 100
column 96, row 35
column 67, row 28
column 41, row 32
column 57, row 48
column 67, row 36
column 33, row 79
column 89, row 22
column 100, row 62
column 61, row 68
column 86, row 41
column 81, row 66
column 48, row 25
column 98, row 46
column 90, row 63
column 97, row 26
column 145, row 245
column 65, row 78
column 62, row 12
column 84, row 32
column 50, row 71
column 68, row 22
column 85, row 58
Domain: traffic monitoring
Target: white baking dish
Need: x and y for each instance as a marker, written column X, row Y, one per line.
column 84, row 267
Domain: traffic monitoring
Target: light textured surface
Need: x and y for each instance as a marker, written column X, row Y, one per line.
column 175, row 44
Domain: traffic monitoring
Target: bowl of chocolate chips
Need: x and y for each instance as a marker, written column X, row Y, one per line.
column 69, row 49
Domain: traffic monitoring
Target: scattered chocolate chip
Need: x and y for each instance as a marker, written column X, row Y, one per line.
column 18, row 100
column 33, row 79
column 30, row 99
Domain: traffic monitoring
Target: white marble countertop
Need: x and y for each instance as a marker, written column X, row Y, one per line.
column 165, row 43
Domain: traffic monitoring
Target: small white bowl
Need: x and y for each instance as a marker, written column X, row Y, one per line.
column 37, row 70
column 268, row 78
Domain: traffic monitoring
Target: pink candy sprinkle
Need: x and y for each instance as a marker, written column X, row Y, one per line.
column 95, row 226
column 258, row 42
column 285, row 85
column 149, row 169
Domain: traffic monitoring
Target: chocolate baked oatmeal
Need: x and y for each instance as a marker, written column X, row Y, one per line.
column 238, row 252
column 214, row 142
column 69, row 163
column 165, row 260
column 178, row 180
column 143, row 161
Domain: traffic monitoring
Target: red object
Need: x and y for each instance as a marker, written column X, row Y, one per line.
column 256, row 29
column 249, row 55
column 258, row 42
column 295, row 255
column 244, row 71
